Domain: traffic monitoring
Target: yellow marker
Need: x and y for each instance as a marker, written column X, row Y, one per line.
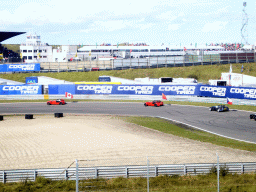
column 46, row 96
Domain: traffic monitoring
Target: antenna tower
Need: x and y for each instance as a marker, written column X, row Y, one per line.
column 244, row 32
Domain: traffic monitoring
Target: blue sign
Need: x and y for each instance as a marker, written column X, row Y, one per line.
column 20, row 89
column 31, row 80
column 27, row 67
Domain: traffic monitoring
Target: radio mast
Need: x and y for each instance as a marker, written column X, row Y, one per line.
column 244, row 32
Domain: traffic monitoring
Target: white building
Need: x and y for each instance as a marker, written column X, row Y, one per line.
column 34, row 51
column 64, row 53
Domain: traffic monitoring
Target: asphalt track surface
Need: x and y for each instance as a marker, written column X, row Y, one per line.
column 233, row 124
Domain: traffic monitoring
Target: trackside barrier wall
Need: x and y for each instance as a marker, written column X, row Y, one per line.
column 188, row 90
column 173, row 90
column 21, row 89
column 27, row 67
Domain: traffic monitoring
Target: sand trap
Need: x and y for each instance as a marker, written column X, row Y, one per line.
column 49, row 142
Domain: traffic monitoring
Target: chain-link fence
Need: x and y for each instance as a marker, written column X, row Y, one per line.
column 147, row 62
column 94, row 175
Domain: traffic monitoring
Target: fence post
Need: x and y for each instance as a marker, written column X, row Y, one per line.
column 185, row 170
column 156, row 171
column 147, row 174
column 35, row 175
column 66, row 174
column 242, row 168
column 218, row 172
column 77, row 176
column 4, row 177
column 157, row 61
column 165, row 61
column 126, row 172
column 96, row 173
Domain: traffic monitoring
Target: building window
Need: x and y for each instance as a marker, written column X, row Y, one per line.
column 29, row 50
column 24, row 51
column 45, row 50
column 40, row 51
column 44, row 56
column 35, row 57
column 25, row 57
column 30, row 57
column 35, row 50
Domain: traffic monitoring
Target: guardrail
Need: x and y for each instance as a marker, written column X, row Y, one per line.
column 122, row 171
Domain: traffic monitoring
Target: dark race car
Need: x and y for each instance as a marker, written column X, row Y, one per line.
column 253, row 116
column 156, row 103
column 56, row 102
column 219, row 108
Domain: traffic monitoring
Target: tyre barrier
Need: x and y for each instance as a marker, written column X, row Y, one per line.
column 28, row 116
column 58, row 115
column 1, row 117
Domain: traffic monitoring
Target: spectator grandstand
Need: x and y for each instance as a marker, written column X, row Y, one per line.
column 7, row 55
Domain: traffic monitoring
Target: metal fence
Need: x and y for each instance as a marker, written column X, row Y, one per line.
column 142, row 63
column 108, row 172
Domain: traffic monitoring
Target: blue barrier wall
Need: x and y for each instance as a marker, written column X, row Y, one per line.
column 189, row 90
column 61, row 89
column 21, row 89
column 137, row 89
column 26, row 67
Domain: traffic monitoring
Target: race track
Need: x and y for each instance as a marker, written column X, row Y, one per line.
column 234, row 124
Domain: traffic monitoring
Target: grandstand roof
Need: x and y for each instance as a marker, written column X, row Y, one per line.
column 7, row 35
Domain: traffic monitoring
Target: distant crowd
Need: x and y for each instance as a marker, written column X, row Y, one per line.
column 228, row 46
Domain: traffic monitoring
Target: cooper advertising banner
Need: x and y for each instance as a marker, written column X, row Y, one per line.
column 137, row 89
column 20, row 89
column 242, row 92
column 213, row 91
column 26, row 67
column 94, row 89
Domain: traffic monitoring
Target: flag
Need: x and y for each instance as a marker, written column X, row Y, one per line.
column 242, row 68
column 229, row 101
column 130, row 50
column 76, row 54
column 163, row 96
column 185, row 49
column 68, row 95
column 230, row 69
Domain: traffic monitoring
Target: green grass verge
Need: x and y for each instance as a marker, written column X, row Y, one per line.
column 206, row 183
column 187, row 132
column 202, row 73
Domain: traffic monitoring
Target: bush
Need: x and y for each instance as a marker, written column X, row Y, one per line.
column 223, row 170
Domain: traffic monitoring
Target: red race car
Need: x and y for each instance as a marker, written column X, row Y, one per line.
column 156, row 103
column 56, row 102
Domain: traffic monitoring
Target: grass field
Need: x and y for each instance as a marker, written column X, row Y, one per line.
column 206, row 183
column 201, row 73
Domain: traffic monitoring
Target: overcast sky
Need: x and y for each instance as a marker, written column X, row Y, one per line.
column 87, row 22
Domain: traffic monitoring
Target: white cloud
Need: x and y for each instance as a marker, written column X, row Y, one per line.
column 214, row 26
column 174, row 27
